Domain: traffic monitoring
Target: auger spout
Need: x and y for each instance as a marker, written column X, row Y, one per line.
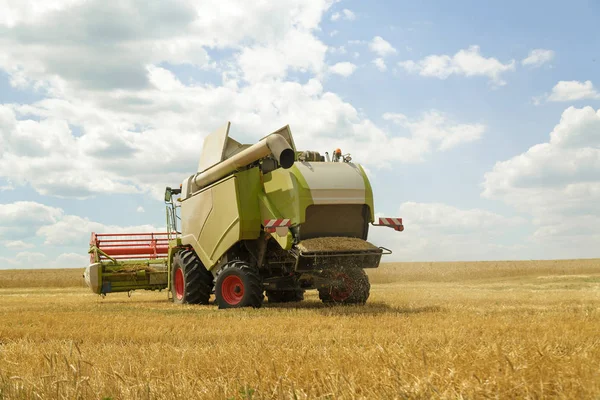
column 274, row 145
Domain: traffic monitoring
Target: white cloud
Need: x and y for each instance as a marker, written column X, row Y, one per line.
column 344, row 69
column 72, row 230
column 28, row 218
column 110, row 153
column 91, row 136
column 380, row 64
column 348, row 15
column 381, row 47
column 140, row 209
column 538, row 57
column 70, row 260
column 337, row 50
column 466, row 62
column 437, row 129
column 573, row 90
column 119, row 40
column 449, row 219
column 20, row 217
column 18, row 245
column 36, row 260
column 345, row 14
column 440, row 232
column 557, row 182
column 299, row 51
column 31, row 221
column 31, row 259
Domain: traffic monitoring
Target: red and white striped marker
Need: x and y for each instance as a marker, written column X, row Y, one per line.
column 271, row 225
column 395, row 223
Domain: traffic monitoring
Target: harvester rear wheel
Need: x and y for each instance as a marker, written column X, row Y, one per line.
column 285, row 296
column 190, row 282
column 238, row 285
column 354, row 288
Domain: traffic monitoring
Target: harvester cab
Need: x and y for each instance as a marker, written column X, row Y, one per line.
column 253, row 220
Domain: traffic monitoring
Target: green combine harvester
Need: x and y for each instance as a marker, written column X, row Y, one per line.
column 254, row 220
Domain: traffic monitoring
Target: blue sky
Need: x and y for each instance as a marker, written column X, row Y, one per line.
column 478, row 122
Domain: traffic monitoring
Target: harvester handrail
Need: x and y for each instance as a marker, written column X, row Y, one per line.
column 124, row 246
column 133, row 234
column 132, row 240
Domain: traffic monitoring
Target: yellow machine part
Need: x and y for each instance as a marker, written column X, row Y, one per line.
column 221, row 215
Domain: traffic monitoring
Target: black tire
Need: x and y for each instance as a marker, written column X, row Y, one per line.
column 238, row 285
column 197, row 281
column 285, row 296
column 356, row 288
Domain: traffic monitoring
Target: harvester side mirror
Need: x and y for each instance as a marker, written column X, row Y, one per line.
column 168, row 194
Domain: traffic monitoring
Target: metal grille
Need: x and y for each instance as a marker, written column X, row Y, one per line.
column 347, row 220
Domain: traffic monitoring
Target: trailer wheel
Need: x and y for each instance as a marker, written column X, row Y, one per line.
column 285, row 296
column 352, row 287
column 190, row 282
column 238, row 285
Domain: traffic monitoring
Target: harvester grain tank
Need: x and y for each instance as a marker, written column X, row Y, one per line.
column 254, row 220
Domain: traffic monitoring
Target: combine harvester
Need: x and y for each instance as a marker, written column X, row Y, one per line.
column 254, row 219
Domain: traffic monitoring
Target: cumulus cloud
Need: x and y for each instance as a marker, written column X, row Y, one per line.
column 381, row 47
column 437, row 129
column 19, row 218
column 573, row 90
column 26, row 222
column 118, row 41
column 17, row 245
column 298, row 51
column 467, row 62
column 538, row 57
column 72, row 230
column 110, row 151
column 140, row 209
column 29, row 218
column 380, row 64
column 36, row 260
column 344, row 69
column 441, row 232
column 557, row 182
column 344, row 14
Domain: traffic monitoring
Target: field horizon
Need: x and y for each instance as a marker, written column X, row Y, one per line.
column 518, row 329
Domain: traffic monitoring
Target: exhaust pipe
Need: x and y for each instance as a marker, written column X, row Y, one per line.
column 274, row 144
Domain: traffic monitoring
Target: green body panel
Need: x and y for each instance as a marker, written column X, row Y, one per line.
column 248, row 184
column 219, row 216
column 368, row 193
column 288, row 193
column 286, row 242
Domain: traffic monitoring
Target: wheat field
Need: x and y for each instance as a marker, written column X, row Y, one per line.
column 430, row 330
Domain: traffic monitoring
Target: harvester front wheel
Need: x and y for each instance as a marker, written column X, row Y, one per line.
column 285, row 296
column 238, row 285
column 351, row 286
column 190, row 282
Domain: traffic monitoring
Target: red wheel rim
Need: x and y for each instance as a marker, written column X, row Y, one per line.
column 341, row 293
column 179, row 285
column 232, row 289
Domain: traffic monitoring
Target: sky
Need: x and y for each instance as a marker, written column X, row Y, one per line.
column 478, row 122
